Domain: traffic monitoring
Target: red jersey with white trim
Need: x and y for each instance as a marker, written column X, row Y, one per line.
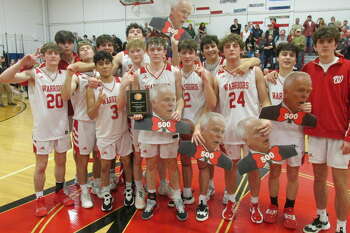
column 111, row 122
column 78, row 98
column 193, row 95
column 127, row 62
column 330, row 99
column 147, row 80
column 50, row 119
column 238, row 99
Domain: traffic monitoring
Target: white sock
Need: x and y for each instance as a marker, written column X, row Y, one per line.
column 138, row 185
column 128, row 185
column 176, row 194
column 163, row 182
column 211, row 183
column 84, row 188
column 202, row 198
column 39, row 194
column 232, row 197
column 323, row 215
column 341, row 224
column 105, row 189
column 187, row 192
column 254, row 200
column 151, row 191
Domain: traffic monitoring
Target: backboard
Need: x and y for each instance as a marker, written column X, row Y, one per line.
column 135, row 2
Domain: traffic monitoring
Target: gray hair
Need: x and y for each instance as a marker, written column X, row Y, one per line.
column 175, row 3
column 209, row 116
column 293, row 76
column 242, row 126
column 160, row 89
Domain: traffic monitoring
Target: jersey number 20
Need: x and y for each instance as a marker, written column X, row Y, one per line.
column 54, row 101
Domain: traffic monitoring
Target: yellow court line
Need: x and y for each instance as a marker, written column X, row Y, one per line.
column 220, row 225
column 44, row 218
column 100, row 218
column 130, row 221
column 51, row 217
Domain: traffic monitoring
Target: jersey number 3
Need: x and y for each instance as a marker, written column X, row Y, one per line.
column 233, row 99
column 54, row 101
column 115, row 111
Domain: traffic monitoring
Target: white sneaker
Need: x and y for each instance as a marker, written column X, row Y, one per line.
column 96, row 189
column 85, row 200
column 164, row 189
column 225, row 198
column 140, row 199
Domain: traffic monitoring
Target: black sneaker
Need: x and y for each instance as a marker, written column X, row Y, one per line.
column 317, row 226
column 341, row 230
column 181, row 213
column 149, row 210
column 107, row 203
column 129, row 199
column 202, row 212
column 186, row 200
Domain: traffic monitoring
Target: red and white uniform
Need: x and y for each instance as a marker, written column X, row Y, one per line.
column 238, row 99
column 113, row 137
column 153, row 143
column 193, row 96
column 84, row 129
column 214, row 69
column 276, row 90
column 50, row 118
column 127, row 62
column 330, row 98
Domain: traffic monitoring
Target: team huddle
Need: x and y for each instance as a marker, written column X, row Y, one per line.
column 232, row 108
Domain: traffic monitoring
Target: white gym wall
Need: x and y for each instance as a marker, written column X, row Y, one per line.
column 94, row 17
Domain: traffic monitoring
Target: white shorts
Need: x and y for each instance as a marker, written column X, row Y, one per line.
column 234, row 151
column 328, row 150
column 109, row 150
column 45, row 147
column 165, row 151
column 294, row 161
column 84, row 136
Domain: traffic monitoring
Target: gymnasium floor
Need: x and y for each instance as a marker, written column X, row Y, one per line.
column 17, row 206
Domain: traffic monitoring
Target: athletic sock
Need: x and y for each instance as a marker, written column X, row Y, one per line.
column 341, row 224
column 39, row 194
column 203, row 198
column 59, row 186
column 323, row 215
column 187, row 192
column 289, row 203
column 274, row 201
column 254, row 200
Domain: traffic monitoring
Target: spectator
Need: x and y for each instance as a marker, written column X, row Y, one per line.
column 118, row 44
column 269, row 31
column 94, row 40
column 320, row 23
column 147, row 30
column 202, row 31
column 299, row 41
column 245, row 34
column 269, row 48
column 257, row 32
column 345, row 24
column 296, row 26
column 190, row 30
column 235, row 27
column 344, row 45
column 282, row 37
column 332, row 23
column 276, row 27
column 309, row 29
column 250, row 45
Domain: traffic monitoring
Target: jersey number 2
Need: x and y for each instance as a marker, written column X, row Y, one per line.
column 54, row 101
column 233, row 99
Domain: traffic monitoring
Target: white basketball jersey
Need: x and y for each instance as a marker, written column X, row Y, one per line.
column 50, row 112
column 285, row 133
column 193, row 96
column 127, row 62
column 147, row 81
column 276, row 90
column 111, row 122
column 78, row 98
column 213, row 69
column 238, row 99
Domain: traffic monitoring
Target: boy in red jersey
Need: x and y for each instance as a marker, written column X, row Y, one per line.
column 329, row 144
